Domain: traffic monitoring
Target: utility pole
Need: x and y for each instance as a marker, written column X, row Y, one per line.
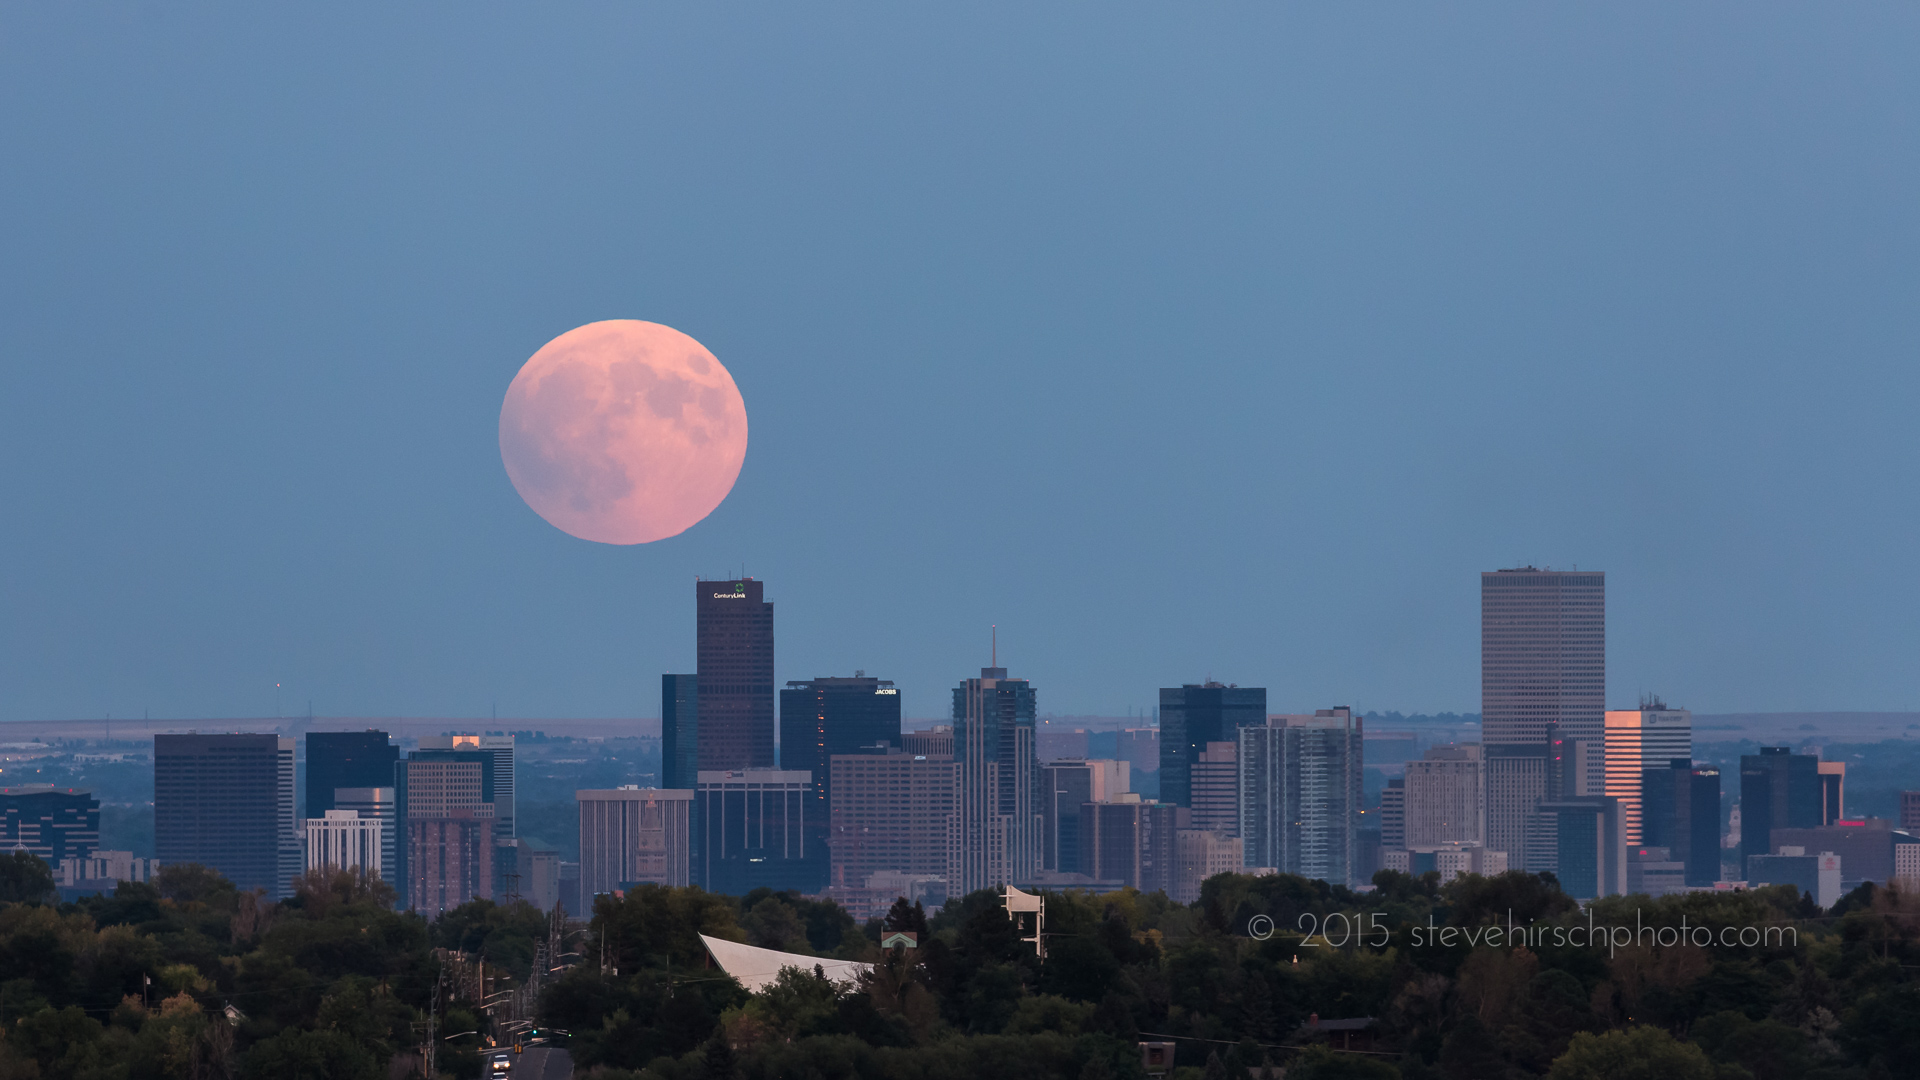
column 433, row 1026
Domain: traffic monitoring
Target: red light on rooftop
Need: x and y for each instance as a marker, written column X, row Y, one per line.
column 1845, row 822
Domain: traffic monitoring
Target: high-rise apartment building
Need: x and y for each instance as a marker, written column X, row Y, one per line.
column 1779, row 789
column 1445, row 798
column 53, row 823
column 891, row 811
column 1300, row 792
column 1910, row 811
column 735, row 659
column 496, row 752
column 1130, row 842
column 1543, row 675
column 346, row 759
column 679, row 730
column 633, row 836
column 447, row 830
column 820, row 718
column 754, row 832
column 1063, row 787
column 376, row 803
column 1194, row 715
column 1637, row 740
column 226, row 802
column 998, row 821
column 1214, row 785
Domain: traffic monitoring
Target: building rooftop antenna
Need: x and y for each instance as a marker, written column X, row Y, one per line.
column 996, row 646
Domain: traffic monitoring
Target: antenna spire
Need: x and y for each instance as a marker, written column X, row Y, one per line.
column 996, row 645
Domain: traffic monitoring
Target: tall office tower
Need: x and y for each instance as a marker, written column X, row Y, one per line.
column 497, row 752
column 1680, row 811
column 735, row 660
column 754, row 831
column 226, row 802
column 998, row 823
column 1064, row 785
column 1393, row 814
column 890, row 812
column 1300, row 793
column 1445, row 797
column 1214, row 783
column 1910, row 811
column 1641, row 739
column 53, row 823
column 346, row 759
column 343, row 840
column 448, row 826
column 679, row 730
column 823, row 717
column 1591, row 846
column 634, row 836
column 1194, row 715
column 936, row 741
column 376, row 803
column 1543, row 680
column 1779, row 789
column 1130, row 842
column 1833, row 791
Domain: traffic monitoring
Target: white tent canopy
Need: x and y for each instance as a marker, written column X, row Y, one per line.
column 756, row 968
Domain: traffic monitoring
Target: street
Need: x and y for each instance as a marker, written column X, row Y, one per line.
column 542, row 1063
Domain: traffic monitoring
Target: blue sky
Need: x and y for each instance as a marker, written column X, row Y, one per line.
column 1229, row 339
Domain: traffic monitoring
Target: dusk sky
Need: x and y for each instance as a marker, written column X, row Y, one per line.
column 1227, row 340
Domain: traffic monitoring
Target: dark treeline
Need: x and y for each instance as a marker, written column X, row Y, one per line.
column 333, row 983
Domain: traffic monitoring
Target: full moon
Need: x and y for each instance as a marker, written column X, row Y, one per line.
column 623, row 432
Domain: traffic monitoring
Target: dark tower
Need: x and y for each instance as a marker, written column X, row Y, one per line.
column 1779, row 789
column 349, row 759
column 735, row 659
column 823, row 717
column 679, row 730
column 1194, row 715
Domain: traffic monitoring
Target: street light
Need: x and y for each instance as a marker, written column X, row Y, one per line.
column 462, row 1035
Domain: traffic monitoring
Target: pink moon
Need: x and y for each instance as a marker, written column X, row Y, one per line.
column 623, row 432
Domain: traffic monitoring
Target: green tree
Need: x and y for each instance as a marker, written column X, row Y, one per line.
column 1523, row 897
column 1640, row 1053
column 660, row 926
column 192, row 883
column 772, row 923
column 25, row 878
column 65, row 1043
column 311, row 1055
column 1320, row 1063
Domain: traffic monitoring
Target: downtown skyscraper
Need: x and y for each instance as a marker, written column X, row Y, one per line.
column 998, row 820
column 1543, row 679
column 734, row 656
column 1193, row 716
column 822, row 717
column 226, row 801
